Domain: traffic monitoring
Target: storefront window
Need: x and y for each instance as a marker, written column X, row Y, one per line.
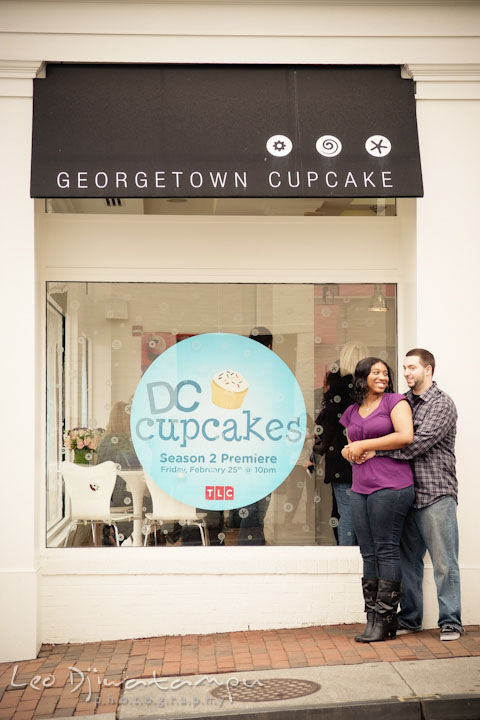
column 102, row 337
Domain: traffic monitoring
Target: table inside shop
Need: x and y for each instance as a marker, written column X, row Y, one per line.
column 136, row 484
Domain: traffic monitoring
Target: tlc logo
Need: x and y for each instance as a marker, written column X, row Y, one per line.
column 218, row 492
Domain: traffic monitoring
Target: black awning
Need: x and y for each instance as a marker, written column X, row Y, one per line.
column 224, row 131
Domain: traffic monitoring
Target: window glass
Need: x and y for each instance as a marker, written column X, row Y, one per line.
column 293, row 207
column 102, row 337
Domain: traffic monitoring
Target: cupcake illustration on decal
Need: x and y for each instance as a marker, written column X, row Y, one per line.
column 229, row 389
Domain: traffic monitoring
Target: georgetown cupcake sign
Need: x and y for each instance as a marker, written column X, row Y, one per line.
column 218, row 421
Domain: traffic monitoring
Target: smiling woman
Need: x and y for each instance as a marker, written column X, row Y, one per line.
column 382, row 490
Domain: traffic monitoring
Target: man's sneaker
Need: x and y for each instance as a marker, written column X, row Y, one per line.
column 406, row 631
column 448, row 632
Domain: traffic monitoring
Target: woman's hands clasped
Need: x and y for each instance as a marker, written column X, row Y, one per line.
column 356, row 452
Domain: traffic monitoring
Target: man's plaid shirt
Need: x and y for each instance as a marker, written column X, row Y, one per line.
column 432, row 451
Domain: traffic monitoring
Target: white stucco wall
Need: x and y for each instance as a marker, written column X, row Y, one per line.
column 448, row 256
column 21, row 476
column 79, row 596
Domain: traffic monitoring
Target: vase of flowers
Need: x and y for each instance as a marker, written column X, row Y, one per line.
column 84, row 442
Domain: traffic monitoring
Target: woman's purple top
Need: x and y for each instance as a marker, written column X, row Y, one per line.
column 378, row 472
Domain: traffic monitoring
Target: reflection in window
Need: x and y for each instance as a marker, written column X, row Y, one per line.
column 101, row 337
column 286, row 207
column 55, row 411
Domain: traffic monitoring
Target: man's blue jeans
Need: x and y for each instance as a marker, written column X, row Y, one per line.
column 378, row 520
column 346, row 533
column 433, row 528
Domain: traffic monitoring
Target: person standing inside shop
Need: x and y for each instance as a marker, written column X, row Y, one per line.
column 432, row 522
column 331, row 437
column 382, row 490
column 116, row 445
column 300, row 478
column 252, row 517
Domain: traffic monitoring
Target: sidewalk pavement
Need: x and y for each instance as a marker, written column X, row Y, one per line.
column 297, row 674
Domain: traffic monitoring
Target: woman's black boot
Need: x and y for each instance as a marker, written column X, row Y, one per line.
column 385, row 624
column 369, row 588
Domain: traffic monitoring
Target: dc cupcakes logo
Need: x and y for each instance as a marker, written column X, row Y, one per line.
column 218, row 421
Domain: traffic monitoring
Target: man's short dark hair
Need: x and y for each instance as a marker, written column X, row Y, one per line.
column 426, row 357
column 262, row 335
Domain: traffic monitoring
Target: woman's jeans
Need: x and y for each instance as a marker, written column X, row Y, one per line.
column 378, row 520
column 434, row 528
column 346, row 533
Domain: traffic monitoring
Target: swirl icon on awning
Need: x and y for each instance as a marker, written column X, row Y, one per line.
column 328, row 146
column 279, row 145
column 378, row 145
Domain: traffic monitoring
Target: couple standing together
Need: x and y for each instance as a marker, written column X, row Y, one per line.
column 404, row 495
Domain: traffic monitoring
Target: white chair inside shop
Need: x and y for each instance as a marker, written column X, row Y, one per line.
column 167, row 509
column 90, row 490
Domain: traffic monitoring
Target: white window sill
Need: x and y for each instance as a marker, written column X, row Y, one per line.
column 270, row 560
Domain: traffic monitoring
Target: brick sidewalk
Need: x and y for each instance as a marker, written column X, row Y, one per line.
column 53, row 690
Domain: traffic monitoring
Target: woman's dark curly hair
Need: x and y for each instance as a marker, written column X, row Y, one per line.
column 362, row 371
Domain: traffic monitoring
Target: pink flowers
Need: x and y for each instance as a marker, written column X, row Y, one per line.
column 82, row 438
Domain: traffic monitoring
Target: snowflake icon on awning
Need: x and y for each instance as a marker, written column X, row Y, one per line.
column 378, row 145
column 279, row 145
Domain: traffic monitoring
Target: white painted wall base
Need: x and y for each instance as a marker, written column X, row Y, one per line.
column 174, row 591
column 85, row 608
column 167, row 591
column 173, row 605
column 18, row 613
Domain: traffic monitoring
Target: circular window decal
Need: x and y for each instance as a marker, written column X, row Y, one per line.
column 210, row 425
